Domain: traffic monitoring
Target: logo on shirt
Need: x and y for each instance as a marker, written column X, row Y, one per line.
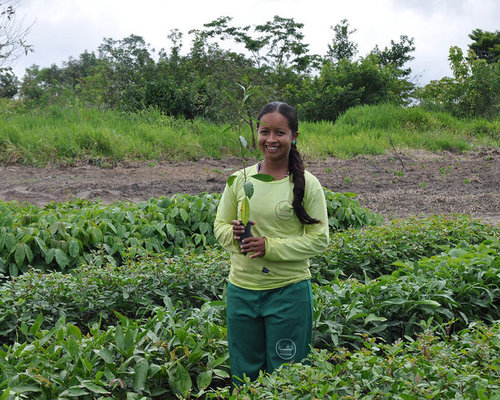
column 284, row 210
column 286, row 349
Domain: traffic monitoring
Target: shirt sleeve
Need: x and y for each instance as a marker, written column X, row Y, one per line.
column 226, row 212
column 315, row 237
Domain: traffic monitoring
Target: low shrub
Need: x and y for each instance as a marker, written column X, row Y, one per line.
column 463, row 366
column 173, row 354
column 455, row 288
column 92, row 293
column 62, row 235
column 371, row 251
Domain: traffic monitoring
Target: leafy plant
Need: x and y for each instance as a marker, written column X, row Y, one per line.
column 247, row 185
column 464, row 365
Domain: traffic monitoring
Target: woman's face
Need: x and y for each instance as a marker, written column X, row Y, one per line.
column 275, row 136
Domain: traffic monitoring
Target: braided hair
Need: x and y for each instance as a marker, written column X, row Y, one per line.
column 295, row 163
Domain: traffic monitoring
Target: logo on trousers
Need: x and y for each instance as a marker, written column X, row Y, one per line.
column 286, row 349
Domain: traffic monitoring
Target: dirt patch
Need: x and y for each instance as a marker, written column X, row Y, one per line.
column 395, row 185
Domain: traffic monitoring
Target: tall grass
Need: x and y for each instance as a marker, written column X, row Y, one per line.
column 72, row 133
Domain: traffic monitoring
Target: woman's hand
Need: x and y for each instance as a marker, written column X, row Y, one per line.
column 238, row 228
column 255, row 245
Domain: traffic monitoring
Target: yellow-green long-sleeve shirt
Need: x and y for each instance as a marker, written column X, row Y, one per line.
column 289, row 243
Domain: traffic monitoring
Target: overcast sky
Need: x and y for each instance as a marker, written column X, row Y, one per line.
column 64, row 28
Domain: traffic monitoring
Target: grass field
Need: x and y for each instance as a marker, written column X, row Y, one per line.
column 67, row 135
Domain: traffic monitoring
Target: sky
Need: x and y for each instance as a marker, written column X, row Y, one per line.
column 66, row 28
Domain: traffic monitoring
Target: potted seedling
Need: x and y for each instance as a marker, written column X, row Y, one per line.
column 248, row 189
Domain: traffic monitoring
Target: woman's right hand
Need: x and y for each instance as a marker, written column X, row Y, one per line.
column 238, row 228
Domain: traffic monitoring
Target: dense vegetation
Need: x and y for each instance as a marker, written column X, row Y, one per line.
column 152, row 325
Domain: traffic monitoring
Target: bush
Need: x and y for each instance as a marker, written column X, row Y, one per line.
column 93, row 292
column 172, row 354
column 456, row 287
column 372, row 251
column 62, row 235
column 463, row 366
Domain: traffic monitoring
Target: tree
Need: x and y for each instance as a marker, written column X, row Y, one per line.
column 473, row 91
column 342, row 46
column 12, row 34
column 485, row 45
column 9, row 84
column 281, row 39
column 397, row 55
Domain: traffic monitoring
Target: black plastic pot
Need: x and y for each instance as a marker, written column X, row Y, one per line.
column 248, row 233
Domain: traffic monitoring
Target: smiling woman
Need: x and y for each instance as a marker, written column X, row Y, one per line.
column 269, row 297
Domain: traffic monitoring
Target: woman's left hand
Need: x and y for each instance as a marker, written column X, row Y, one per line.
column 255, row 245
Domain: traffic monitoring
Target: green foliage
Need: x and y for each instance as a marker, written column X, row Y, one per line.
column 344, row 211
column 65, row 135
column 474, row 90
column 485, row 45
column 174, row 353
column 126, row 74
column 371, row 251
column 8, row 84
column 92, row 292
column 455, row 287
column 347, row 84
column 63, row 235
column 463, row 366
column 182, row 348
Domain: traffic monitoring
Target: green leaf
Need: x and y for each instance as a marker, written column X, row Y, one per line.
column 25, row 389
column 263, row 177
column 61, row 258
column 140, row 374
column 6, row 393
column 94, row 388
column 96, row 234
column 74, row 392
column 106, row 356
column 2, row 241
column 19, row 254
column 10, row 241
column 181, row 380
column 373, row 317
column 171, row 230
column 243, row 142
column 184, row 215
column 230, row 181
column 13, row 270
column 36, row 326
column 248, row 188
column 245, row 211
column 73, row 247
column 204, row 379
column 430, row 303
column 49, row 256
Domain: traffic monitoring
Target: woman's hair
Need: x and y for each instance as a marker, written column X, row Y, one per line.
column 295, row 164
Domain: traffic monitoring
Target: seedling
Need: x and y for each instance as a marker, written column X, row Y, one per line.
column 248, row 189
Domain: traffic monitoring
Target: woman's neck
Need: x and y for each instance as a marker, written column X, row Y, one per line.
column 278, row 169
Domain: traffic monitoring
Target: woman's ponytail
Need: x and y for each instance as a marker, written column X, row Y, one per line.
column 296, row 170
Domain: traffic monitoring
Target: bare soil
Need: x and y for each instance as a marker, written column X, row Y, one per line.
column 396, row 185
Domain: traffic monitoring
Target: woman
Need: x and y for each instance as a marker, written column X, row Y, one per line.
column 269, row 296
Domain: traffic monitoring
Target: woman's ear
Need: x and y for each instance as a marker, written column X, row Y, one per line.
column 294, row 137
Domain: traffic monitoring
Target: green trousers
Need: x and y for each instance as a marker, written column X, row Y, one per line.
column 267, row 328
